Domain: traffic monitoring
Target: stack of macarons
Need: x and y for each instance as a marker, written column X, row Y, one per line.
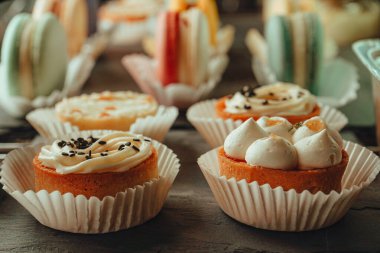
column 182, row 46
column 295, row 48
column 32, row 59
column 78, row 18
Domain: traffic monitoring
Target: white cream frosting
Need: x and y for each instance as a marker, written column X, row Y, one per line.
column 280, row 99
column 272, row 152
column 237, row 142
column 115, row 104
column 277, row 125
column 318, row 151
column 107, row 154
column 319, row 148
column 313, row 126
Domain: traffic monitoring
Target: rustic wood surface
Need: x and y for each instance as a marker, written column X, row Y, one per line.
column 190, row 220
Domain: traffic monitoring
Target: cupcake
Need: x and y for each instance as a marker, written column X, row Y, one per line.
column 91, row 181
column 95, row 165
column 263, row 178
column 106, row 110
column 315, row 162
column 280, row 99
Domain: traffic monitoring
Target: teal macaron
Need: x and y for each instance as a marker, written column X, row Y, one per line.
column 295, row 39
column 34, row 59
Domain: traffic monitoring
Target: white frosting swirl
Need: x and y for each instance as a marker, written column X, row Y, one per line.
column 237, row 142
column 313, row 126
column 277, row 125
column 318, row 151
column 272, row 152
column 281, row 99
column 106, row 154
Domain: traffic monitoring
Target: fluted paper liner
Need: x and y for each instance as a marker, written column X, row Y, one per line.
column 276, row 209
column 214, row 130
column 180, row 95
column 79, row 214
column 155, row 126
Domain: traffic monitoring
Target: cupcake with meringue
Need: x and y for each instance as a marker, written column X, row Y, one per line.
column 97, row 166
column 280, row 99
column 302, row 157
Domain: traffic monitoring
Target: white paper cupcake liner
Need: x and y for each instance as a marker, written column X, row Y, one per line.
column 81, row 215
column 276, row 209
column 214, row 130
column 157, row 126
column 142, row 70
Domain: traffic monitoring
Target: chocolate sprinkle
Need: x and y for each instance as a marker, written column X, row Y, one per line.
column 135, row 148
column 284, row 99
column 136, row 139
column 128, row 143
column 121, row 147
column 65, row 154
column 88, row 157
column 271, row 94
column 247, row 107
column 61, row 144
column 72, row 154
column 81, row 153
column 266, row 102
column 102, row 142
column 147, row 140
column 103, row 154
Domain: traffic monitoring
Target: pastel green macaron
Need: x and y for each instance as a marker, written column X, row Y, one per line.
column 10, row 54
column 34, row 57
column 295, row 48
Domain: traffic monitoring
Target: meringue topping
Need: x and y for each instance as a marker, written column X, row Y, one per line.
column 237, row 142
column 318, row 151
column 313, row 126
column 277, row 125
column 272, row 152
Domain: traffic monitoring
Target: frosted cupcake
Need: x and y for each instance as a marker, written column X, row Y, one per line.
column 96, row 166
column 315, row 161
column 106, row 110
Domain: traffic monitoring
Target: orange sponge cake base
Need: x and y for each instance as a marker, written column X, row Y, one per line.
column 325, row 180
column 220, row 107
column 95, row 184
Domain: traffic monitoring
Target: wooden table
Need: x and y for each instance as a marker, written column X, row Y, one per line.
column 190, row 220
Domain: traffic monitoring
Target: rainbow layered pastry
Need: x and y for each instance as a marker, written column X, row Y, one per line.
column 182, row 47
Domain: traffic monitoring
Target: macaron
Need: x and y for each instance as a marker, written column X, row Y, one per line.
column 295, row 48
column 32, row 56
column 194, row 47
column 210, row 9
column 73, row 15
column 168, row 52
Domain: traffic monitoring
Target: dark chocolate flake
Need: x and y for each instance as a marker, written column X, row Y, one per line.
column 81, row 153
column 247, row 107
column 136, row 139
column 88, row 157
column 102, row 142
column 65, row 154
column 271, row 94
column 128, row 143
column 266, row 102
column 61, row 144
column 72, row 154
column 135, row 148
column 147, row 140
column 121, row 147
column 103, row 154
